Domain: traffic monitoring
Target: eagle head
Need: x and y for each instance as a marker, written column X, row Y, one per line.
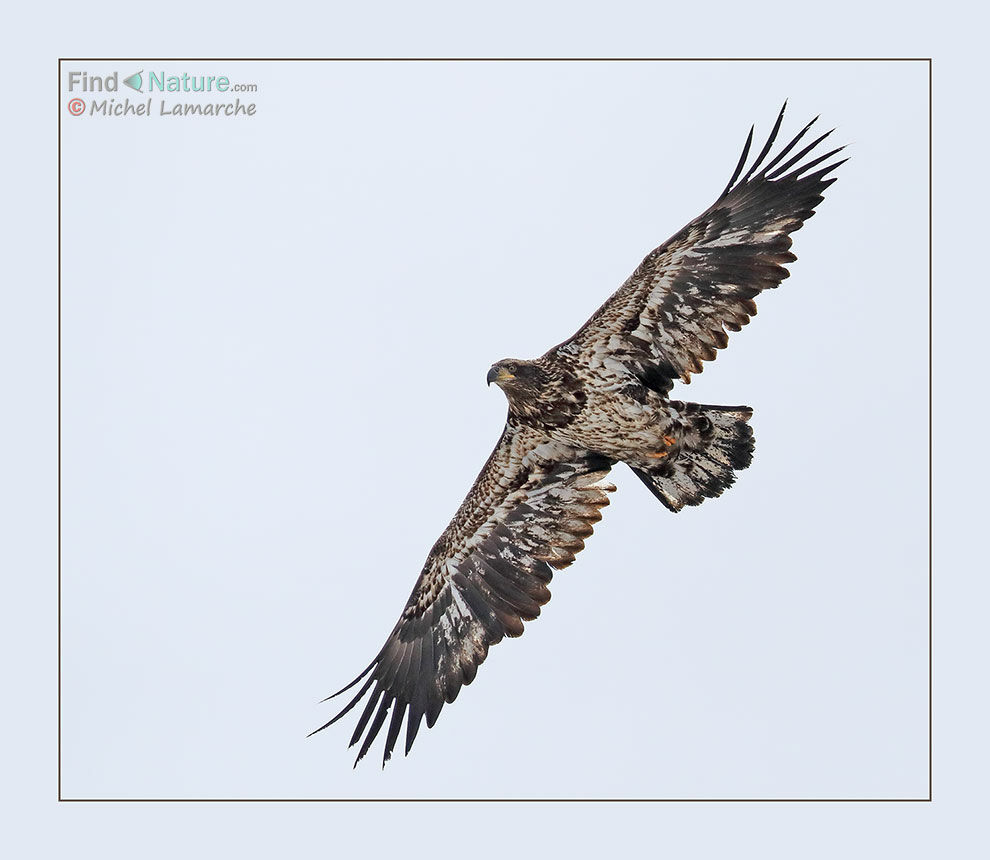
column 539, row 394
column 520, row 380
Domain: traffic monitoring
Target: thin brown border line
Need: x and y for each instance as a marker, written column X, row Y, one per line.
column 931, row 412
column 493, row 800
column 58, row 435
column 931, row 377
column 497, row 59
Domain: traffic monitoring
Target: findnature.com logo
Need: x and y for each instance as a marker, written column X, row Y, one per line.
column 157, row 82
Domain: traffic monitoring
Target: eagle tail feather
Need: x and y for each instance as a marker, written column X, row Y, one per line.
column 717, row 441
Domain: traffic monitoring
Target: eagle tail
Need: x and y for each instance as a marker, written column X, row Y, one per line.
column 714, row 442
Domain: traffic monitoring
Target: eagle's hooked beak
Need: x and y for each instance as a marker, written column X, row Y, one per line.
column 498, row 375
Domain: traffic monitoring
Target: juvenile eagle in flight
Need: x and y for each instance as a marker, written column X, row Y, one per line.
column 592, row 401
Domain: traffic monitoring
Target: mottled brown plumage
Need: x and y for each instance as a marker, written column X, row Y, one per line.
column 596, row 399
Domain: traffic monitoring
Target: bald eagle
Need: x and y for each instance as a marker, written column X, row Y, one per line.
column 599, row 398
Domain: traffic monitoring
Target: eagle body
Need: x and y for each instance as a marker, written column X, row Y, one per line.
column 601, row 397
column 684, row 452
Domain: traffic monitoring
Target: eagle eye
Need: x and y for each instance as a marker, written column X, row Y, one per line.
column 512, row 367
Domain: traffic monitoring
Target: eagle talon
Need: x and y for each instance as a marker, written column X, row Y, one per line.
column 659, row 455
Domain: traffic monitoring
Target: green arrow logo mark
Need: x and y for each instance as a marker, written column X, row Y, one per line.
column 134, row 81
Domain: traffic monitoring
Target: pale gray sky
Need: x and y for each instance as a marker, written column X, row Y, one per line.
column 275, row 336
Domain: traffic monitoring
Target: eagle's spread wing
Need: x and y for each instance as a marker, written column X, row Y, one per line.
column 530, row 510
column 673, row 311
